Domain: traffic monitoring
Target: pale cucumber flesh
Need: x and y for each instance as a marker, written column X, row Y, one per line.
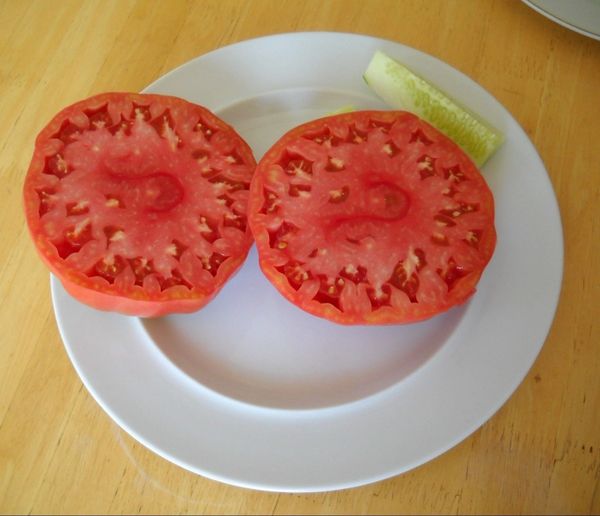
column 401, row 89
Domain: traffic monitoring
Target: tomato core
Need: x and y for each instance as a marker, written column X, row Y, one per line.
column 386, row 201
column 162, row 192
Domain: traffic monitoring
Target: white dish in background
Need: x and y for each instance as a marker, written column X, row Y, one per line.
column 582, row 16
column 254, row 392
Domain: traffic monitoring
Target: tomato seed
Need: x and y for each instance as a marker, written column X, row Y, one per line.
column 162, row 123
column 295, row 165
column 230, row 185
column 165, row 128
column 234, row 220
column 200, row 155
column 295, row 190
column 112, row 201
column 449, row 191
column 141, row 267
column 454, row 174
column 338, row 196
column 57, row 166
column 284, row 231
column 204, row 128
column 357, row 274
column 225, row 200
column 110, row 267
column 113, row 234
column 99, row 119
column 390, row 149
column 271, row 202
column 473, row 238
column 426, row 166
column 213, row 263
column 80, row 233
column 234, row 158
column 295, row 273
column 335, row 165
column 411, row 287
column 439, row 239
column 77, row 208
column 209, row 172
column 461, row 209
column 379, row 296
column 121, row 129
column 176, row 249
column 408, row 284
column 329, row 290
column 140, row 113
column 419, row 257
column 324, row 137
column 355, row 135
column 46, row 196
column 384, row 127
column 68, row 132
column 452, row 273
column 444, row 220
column 207, row 229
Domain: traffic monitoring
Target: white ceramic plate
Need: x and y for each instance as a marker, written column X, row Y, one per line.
column 254, row 392
column 582, row 16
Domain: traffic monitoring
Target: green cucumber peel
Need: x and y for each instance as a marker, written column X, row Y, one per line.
column 402, row 89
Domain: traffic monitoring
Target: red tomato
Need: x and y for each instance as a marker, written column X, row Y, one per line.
column 137, row 203
column 371, row 218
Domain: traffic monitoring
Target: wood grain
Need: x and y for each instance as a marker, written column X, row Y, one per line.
column 61, row 454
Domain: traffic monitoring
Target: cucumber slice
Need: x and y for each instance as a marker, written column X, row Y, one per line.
column 402, row 89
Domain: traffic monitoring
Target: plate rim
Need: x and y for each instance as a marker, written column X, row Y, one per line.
column 540, row 7
column 386, row 474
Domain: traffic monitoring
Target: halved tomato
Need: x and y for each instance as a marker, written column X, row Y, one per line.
column 371, row 218
column 137, row 202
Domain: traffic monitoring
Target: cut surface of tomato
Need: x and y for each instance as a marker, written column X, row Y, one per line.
column 371, row 217
column 138, row 202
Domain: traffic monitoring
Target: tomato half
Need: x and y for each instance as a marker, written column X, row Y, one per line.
column 137, row 202
column 371, row 218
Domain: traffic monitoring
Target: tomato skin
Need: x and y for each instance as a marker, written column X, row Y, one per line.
column 275, row 197
column 383, row 316
column 162, row 185
column 142, row 307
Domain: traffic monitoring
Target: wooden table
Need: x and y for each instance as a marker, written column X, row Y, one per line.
column 60, row 453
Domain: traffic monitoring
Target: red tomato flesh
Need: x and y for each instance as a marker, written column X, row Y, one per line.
column 371, row 218
column 137, row 202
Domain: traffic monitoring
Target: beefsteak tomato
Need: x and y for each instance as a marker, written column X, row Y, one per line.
column 137, row 202
column 371, row 218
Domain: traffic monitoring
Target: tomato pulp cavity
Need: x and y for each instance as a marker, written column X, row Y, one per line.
column 137, row 202
column 371, row 218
